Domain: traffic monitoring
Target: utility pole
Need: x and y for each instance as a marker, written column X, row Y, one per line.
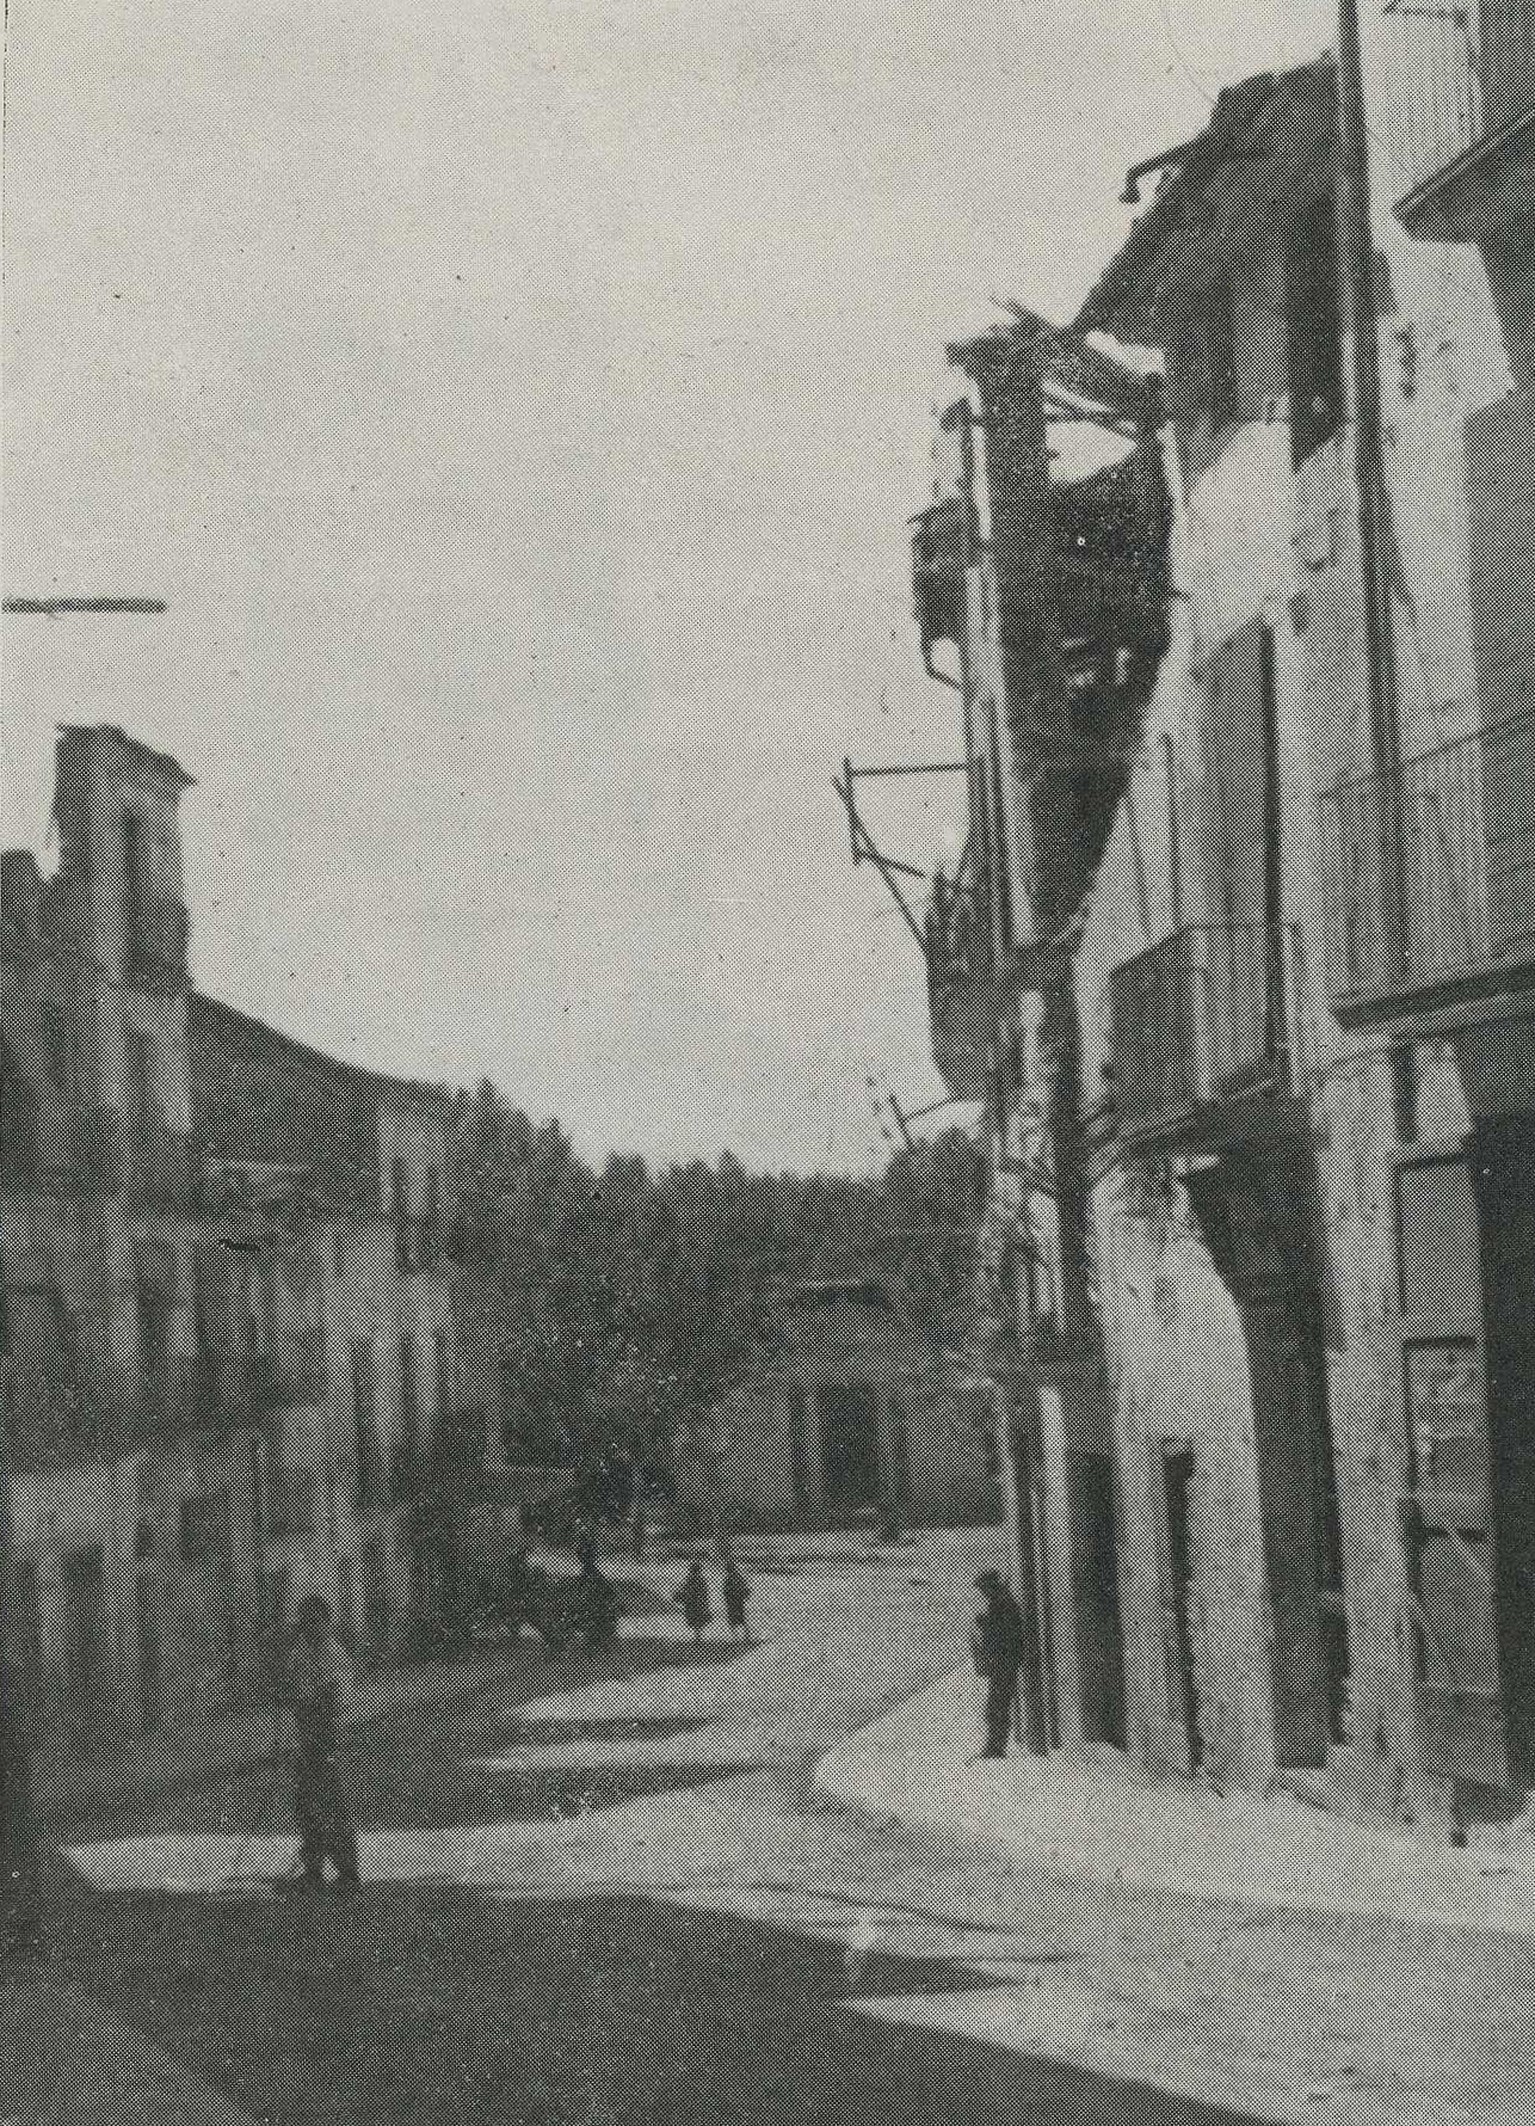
column 20, row 1865
column 1356, row 253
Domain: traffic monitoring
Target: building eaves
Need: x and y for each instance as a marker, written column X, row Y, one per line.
column 1261, row 143
column 1061, row 357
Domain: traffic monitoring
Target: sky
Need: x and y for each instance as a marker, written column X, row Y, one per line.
column 519, row 404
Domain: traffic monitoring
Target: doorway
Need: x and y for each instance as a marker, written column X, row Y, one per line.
column 1257, row 1214
column 1095, row 1594
column 85, row 1639
column 1177, row 1587
column 146, row 1634
column 850, row 1445
column 1505, row 1171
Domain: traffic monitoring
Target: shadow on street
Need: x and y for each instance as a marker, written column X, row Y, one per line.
column 429, row 2005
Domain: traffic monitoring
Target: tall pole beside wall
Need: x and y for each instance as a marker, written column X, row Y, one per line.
column 1357, row 264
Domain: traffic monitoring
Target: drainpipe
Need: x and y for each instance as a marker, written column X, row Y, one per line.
column 1357, row 262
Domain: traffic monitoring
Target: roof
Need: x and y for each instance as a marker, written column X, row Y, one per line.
column 260, row 1098
column 1064, row 359
column 1260, row 147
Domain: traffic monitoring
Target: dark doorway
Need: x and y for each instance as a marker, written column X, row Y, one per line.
column 1036, row 1682
column 1447, row 1514
column 799, row 1454
column 1505, row 1167
column 849, row 1445
column 1178, row 1569
column 85, row 1639
column 900, row 1457
column 1095, row 1589
column 1257, row 1215
column 146, row 1631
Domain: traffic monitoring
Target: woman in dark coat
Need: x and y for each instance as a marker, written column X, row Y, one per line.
column 733, row 1592
column 693, row 1594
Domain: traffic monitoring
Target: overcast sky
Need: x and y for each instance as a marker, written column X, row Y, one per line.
column 519, row 404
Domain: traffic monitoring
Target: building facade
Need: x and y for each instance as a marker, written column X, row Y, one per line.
column 229, row 1368
column 1241, row 967
column 853, row 1416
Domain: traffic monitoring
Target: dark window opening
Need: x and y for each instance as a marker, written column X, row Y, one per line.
column 134, row 885
column 365, row 1413
column 1314, row 331
column 1220, row 357
column 407, row 1452
column 399, row 1188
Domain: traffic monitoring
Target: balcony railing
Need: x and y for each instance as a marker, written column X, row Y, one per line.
column 1458, row 81
column 1196, row 1022
column 1431, row 875
column 940, row 546
column 959, row 987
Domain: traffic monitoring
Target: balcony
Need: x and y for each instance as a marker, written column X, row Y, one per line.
column 1460, row 116
column 1462, row 929
column 960, row 986
column 1199, row 1050
column 940, row 548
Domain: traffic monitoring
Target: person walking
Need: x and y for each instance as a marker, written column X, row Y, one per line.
column 317, row 1683
column 997, row 1645
column 693, row 1594
column 733, row 1594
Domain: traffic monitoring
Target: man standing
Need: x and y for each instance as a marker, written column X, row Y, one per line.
column 997, row 1644
column 316, row 1688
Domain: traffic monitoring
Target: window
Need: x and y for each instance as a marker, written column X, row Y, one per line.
column 430, row 1221
column 53, row 1036
column 364, row 1405
column 400, row 1192
column 154, row 1333
column 1222, row 384
column 206, row 1536
column 1313, row 331
column 407, row 1453
column 134, row 883
column 444, row 1376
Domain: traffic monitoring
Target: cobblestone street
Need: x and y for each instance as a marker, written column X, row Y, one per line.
column 610, row 1893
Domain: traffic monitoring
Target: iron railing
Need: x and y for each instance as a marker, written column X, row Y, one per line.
column 941, row 540
column 957, row 938
column 1456, row 77
column 1431, row 870
column 1200, row 1018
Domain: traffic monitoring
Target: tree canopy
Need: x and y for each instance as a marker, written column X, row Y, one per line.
column 601, row 1308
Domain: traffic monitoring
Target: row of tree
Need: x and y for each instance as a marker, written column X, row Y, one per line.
column 603, row 1308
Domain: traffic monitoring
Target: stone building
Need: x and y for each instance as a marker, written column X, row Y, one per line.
column 130, row 1480
column 229, row 1365
column 1241, row 960
column 853, row 1415
column 328, row 1188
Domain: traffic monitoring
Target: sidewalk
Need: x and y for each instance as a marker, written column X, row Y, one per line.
column 1254, row 1956
column 62, row 2060
column 1083, row 1824
column 176, row 1759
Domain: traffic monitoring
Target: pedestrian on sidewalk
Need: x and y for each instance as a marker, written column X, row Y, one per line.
column 693, row 1594
column 997, row 1645
column 317, row 1687
column 733, row 1594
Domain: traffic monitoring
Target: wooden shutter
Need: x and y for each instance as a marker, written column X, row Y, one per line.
column 1447, row 1513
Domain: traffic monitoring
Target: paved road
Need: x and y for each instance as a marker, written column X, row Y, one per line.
column 608, row 1894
